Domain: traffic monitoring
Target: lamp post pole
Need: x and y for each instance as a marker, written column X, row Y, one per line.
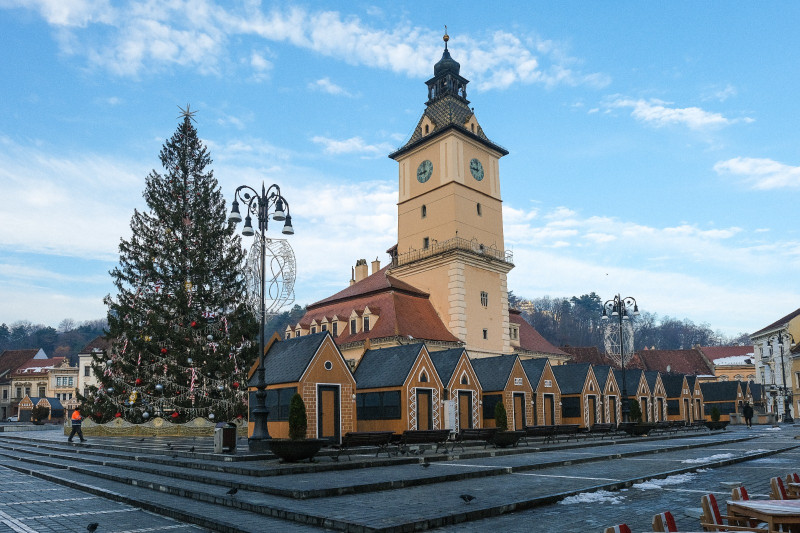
column 618, row 307
column 787, row 418
column 269, row 203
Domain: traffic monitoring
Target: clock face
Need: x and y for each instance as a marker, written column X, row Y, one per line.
column 476, row 168
column 424, row 171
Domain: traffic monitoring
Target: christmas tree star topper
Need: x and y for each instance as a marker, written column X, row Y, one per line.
column 187, row 112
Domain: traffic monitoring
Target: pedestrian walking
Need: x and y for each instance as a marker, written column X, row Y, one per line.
column 76, row 425
column 747, row 411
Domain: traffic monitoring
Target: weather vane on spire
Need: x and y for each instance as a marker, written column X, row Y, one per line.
column 187, row 113
column 446, row 37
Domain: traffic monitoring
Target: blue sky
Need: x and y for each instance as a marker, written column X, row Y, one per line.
column 653, row 146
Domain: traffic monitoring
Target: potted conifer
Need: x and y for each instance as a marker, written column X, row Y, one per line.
column 715, row 422
column 503, row 438
column 636, row 427
column 297, row 447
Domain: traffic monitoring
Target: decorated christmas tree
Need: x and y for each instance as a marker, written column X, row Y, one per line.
column 180, row 330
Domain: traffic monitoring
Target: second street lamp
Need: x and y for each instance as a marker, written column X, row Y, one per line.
column 270, row 203
column 619, row 309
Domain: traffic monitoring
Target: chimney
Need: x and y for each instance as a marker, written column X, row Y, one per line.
column 376, row 265
column 361, row 270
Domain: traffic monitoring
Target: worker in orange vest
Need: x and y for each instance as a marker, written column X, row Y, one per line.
column 76, row 425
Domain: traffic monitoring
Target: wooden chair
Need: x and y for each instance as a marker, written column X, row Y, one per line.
column 793, row 492
column 739, row 493
column 622, row 528
column 664, row 522
column 778, row 490
column 713, row 520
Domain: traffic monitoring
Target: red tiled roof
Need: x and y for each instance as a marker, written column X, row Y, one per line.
column 720, row 352
column 10, row 360
column 402, row 310
column 100, row 343
column 778, row 323
column 28, row 367
column 530, row 339
column 588, row 354
column 377, row 282
column 679, row 361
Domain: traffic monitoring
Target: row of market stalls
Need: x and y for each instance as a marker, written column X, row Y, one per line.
column 408, row 387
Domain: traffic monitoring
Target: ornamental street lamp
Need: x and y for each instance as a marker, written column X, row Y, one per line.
column 262, row 206
column 618, row 308
column 787, row 418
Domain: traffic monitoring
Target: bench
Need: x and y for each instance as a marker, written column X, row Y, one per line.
column 545, row 432
column 410, row 437
column 473, row 434
column 602, row 430
column 358, row 439
column 567, row 431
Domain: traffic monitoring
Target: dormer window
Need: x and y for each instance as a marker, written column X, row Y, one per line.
column 353, row 326
column 427, row 129
column 313, row 329
column 366, row 324
column 335, row 331
column 472, row 127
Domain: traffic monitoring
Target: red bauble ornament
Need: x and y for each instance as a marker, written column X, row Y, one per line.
column 239, row 417
column 117, row 415
column 194, row 324
column 138, row 381
column 98, row 415
column 163, row 350
column 175, row 415
column 235, row 384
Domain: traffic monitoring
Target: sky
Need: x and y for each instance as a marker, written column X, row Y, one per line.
column 653, row 146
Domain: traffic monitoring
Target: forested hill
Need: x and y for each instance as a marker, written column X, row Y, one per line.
column 576, row 321
column 66, row 341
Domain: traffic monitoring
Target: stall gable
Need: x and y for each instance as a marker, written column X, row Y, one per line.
column 423, row 388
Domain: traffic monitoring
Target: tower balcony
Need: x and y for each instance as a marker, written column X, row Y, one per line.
column 471, row 246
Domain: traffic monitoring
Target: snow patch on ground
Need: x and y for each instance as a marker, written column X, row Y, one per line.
column 660, row 483
column 600, row 496
column 715, row 457
column 774, row 428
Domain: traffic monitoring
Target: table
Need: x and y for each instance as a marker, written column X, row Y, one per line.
column 773, row 512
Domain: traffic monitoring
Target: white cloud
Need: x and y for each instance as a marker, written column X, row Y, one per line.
column 327, row 86
column 659, row 113
column 353, row 145
column 130, row 39
column 760, row 173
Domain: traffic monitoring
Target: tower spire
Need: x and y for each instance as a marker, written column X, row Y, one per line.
column 445, row 38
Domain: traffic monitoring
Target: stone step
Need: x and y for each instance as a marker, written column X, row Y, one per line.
column 387, row 511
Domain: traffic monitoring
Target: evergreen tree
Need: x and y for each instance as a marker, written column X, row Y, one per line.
column 179, row 327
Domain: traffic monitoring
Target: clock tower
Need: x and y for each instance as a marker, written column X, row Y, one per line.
column 450, row 222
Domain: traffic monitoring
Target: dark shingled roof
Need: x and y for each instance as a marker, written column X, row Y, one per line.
column 632, row 378
column 571, row 378
column 757, row 391
column 719, row 391
column 673, row 384
column 533, row 369
column 780, row 323
column 651, row 376
column 603, row 374
column 445, row 362
column 287, row 359
column 493, row 372
column 386, row 367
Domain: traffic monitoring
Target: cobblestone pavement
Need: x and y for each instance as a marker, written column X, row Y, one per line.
column 32, row 505
column 370, row 495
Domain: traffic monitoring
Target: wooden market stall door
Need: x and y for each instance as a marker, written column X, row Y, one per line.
column 612, row 409
column 328, row 422
column 660, row 414
column 464, row 409
column 686, row 413
column 424, row 410
column 519, row 411
column 592, row 410
column 549, row 410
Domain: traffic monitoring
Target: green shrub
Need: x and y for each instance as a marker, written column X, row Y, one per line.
column 715, row 414
column 635, row 411
column 298, row 420
column 500, row 416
